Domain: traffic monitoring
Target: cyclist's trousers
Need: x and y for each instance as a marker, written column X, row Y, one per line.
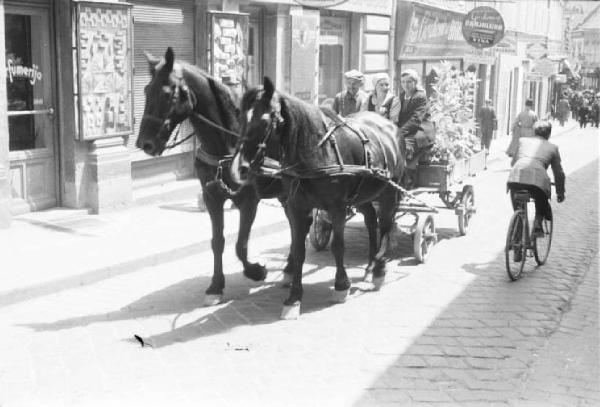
column 542, row 206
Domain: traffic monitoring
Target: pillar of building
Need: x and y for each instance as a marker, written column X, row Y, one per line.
column 110, row 185
column 5, row 216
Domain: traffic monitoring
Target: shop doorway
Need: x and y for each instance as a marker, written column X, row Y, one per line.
column 31, row 127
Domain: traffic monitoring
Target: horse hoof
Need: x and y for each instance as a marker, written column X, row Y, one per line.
column 256, row 272
column 212, row 299
column 378, row 282
column 291, row 311
column 286, row 281
column 340, row 296
column 368, row 277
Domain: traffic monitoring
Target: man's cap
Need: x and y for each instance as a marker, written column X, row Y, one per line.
column 354, row 74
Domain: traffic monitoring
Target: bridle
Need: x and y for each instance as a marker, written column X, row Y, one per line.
column 165, row 124
column 258, row 159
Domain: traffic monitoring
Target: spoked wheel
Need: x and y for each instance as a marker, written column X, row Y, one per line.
column 467, row 209
column 515, row 251
column 424, row 238
column 320, row 229
column 541, row 244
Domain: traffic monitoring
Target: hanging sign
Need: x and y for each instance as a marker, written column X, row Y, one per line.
column 483, row 27
column 537, row 50
column 320, row 3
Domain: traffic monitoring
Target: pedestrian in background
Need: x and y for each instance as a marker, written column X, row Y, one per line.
column 381, row 100
column 583, row 113
column 596, row 111
column 486, row 116
column 563, row 110
column 353, row 99
column 522, row 126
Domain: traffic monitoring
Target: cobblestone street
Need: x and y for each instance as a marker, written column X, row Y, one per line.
column 454, row 331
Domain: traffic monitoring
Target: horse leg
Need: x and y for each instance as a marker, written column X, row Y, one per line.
column 247, row 204
column 387, row 210
column 288, row 271
column 342, row 282
column 214, row 201
column 370, row 219
column 298, row 216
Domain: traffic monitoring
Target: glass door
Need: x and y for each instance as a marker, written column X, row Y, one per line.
column 30, row 108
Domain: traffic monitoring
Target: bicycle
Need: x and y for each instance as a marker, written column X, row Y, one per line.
column 520, row 244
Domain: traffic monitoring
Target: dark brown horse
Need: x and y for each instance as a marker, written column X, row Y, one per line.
column 349, row 163
column 179, row 91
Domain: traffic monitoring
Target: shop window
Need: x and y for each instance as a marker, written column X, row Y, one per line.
column 24, row 77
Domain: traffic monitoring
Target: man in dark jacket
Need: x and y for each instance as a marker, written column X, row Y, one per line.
column 413, row 109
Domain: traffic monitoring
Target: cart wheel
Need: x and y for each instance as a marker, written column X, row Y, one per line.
column 467, row 203
column 424, row 238
column 320, row 230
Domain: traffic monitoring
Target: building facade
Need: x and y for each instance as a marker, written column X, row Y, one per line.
column 75, row 73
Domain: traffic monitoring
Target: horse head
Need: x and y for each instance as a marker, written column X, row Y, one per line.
column 169, row 101
column 262, row 120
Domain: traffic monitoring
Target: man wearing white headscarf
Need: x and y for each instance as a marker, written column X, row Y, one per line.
column 382, row 100
column 352, row 99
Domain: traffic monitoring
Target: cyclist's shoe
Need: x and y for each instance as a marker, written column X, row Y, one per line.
column 538, row 230
column 517, row 256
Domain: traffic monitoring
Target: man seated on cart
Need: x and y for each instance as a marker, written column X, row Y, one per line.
column 414, row 123
column 529, row 172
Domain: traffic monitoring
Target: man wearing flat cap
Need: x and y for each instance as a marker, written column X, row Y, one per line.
column 352, row 99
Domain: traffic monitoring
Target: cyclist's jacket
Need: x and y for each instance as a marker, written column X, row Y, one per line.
column 531, row 161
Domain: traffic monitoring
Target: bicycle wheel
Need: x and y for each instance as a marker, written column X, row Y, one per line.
column 541, row 244
column 515, row 251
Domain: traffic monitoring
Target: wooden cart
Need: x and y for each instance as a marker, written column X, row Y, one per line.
column 443, row 180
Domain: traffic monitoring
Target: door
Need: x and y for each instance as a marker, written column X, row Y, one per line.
column 330, row 71
column 33, row 169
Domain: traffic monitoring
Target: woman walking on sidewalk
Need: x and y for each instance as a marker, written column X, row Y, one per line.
column 522, row 126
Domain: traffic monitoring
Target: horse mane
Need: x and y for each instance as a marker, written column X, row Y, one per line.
column 228, row 112
column 303, row 130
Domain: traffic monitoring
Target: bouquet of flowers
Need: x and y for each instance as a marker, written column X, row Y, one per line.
column 452, row 111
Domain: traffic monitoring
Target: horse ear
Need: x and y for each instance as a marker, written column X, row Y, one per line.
column 269, row 88
column 169, row 59
column 152, row 62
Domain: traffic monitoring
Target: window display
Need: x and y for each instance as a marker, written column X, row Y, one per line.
column 104, row 69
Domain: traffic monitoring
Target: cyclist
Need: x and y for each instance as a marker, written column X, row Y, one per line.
column 529, row 172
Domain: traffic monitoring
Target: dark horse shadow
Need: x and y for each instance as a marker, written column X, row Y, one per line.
column 179, row 91
column 243, row 306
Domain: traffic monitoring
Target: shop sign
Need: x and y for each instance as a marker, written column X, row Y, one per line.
column 320, row 3
column 16, row 70
column 483, row 27
column 431, row 32
column 560, row 78
column 545, row 67
column 537, row 50
column 534, row 76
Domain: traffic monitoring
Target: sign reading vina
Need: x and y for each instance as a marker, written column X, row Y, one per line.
column 483, row 27
column 320, row 3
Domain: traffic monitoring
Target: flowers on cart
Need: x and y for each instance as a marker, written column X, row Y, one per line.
column 452, row 110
